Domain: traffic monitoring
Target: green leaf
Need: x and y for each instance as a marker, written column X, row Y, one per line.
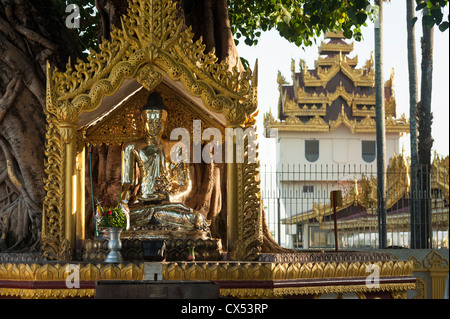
column 348, row 34
column 437, row 15
column 428, row 21
column 248, row 42
column 420, row 6
column 361, row 17
column 443, row 26
column 245, row 63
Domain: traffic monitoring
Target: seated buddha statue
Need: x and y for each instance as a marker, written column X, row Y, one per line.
column 151, row 205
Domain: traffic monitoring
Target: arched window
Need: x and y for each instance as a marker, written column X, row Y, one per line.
column 368, row 151
column 312, row 150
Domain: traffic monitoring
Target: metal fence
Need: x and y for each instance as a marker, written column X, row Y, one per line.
column 299, row 214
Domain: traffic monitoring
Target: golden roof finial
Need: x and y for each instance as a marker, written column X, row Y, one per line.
column 356, row 191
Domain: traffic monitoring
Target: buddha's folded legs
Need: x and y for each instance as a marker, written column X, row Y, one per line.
column 171, row 214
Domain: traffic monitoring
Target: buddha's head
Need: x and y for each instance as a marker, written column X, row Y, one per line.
column 154, row 115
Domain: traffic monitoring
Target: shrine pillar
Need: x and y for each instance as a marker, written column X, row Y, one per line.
column 244, row 206
column 71, row 202
column 67, row 132
column 80, row 200
column 232, row 189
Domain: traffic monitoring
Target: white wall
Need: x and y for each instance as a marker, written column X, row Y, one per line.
column 340, row 161
column 339, row 147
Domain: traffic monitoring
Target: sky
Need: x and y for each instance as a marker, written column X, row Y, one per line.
column 275, row 54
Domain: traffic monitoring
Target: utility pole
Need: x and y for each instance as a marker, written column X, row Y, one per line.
column 380, row 128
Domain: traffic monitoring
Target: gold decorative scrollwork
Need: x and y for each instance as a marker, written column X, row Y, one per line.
column 225, row 271
column 249, row 203
column 149, row 76
column 59, row 272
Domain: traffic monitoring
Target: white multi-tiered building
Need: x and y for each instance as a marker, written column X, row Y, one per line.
column 326, row 135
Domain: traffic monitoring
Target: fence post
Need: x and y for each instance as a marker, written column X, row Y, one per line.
column 336, row 200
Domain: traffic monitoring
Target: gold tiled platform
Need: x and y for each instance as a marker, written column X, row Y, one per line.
column 236, row 279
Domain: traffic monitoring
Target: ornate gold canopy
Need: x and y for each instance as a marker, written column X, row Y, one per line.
column 154, row 50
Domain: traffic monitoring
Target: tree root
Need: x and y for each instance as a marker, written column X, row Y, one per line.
column 17, row 229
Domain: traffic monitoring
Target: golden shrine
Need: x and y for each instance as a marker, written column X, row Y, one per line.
column 97, row 102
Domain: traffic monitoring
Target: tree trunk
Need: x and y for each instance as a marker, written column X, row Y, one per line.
column 31, row 32
column 380, row 128
column 412, row 68
column 425, row 138
column 209, row 20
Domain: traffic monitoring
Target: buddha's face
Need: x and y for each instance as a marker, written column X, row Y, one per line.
column 154, row 122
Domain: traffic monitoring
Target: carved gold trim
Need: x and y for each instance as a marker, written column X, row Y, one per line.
column 340, row 92
column 225, row 271
column 440, row 176
column 436, row 266
column 421, row 289
column 302, row 97
column 124, row 124
column 305, row 104
column 435, row 261
column 366, row 125
column 324, row 74
column 257, row 271
column 321, row 62
column 335, row 34
column 398, row 291
column 218, row 271
column 59, row 272
column 248, row 223
column 343, row 119
column 336, row 47
column 47, row 293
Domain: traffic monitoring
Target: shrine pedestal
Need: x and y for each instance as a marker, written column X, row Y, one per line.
column 158, row 249
column 236, row 279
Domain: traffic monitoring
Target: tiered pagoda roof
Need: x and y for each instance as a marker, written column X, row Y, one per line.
column 335, row 92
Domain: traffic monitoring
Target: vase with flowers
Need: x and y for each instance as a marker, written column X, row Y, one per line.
column 191, row 253
column 114, row 220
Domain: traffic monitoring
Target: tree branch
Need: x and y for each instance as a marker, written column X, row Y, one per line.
column 13, row 175
column 208, row 37
column 8, row 9
column 12, row 90
column 105, row 28
column 33, row 36
column 17, row 60
column 3, row 176
column 227, row 45
column 9, row 31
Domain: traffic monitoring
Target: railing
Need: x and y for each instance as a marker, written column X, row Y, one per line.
column 299, row 214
